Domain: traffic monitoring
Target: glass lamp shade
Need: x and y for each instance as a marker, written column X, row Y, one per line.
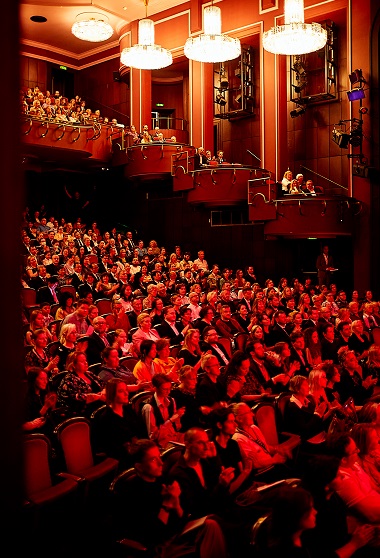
column 295, row 36
column 212, row 46
column 92, row 26
column 146, row 55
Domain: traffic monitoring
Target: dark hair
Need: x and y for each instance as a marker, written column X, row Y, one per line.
column 296, row 335
column 162, row 343
column 251, row 343
column 145, row 347
column 204, row 310
column 237, row 358
column 111, row 387
column 218, row 415
column 337, row 443
column 288, row 509
column 106, row 352
column 368, row 412
column 159, row 379
column 341, row 325
column 140, row 448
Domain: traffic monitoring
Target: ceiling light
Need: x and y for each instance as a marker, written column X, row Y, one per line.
column 295, row 36
column 92, row 26
column 212, row 46
column 146, row 55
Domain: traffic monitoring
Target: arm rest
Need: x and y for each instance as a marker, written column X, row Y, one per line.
column 135, row 545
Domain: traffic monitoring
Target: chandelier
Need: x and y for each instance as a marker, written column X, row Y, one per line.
column 212, row 46
column 92, row 26
column 146, row 55
column 295, row 36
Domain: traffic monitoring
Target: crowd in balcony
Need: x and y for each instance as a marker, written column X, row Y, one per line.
column 116, row 315
column 58, row 108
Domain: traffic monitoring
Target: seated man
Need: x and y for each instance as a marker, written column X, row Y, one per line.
column 157, row 516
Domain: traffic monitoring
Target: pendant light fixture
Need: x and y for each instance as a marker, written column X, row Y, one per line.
column 295, row 36
column 212, row 46
column 146, row 55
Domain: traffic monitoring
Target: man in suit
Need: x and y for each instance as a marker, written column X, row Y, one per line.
column 210, row 343
column 278, row 332
column 48, row 293
column 200, row 158
column 312, row 320
column 88, row 286
column 324, row 266
column 53, row 268
column 227, row 326
column 168, row 327
column 263, row 371
column 298, row 352
column 98, row 340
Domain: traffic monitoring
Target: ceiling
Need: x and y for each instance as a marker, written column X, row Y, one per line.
column 55, row 34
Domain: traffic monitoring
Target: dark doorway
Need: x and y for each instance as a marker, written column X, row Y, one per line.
column 62, row 81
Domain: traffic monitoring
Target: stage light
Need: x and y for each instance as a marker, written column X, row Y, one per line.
column 356, row 94
column 341, row 138
column 220, row 100
column 363, row 110
column 356, row 76
column 299, row 111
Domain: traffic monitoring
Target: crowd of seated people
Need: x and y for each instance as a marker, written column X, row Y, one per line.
column 58, row 108
column 203, row 364
column 298, row 185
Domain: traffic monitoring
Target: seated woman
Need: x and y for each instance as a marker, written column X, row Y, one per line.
column 317, row 391
column 302, row 416
column 144, row 369
column 67, row 344
column 105, row 288
column 145, row 331
column 184, row 395
column 156, row 313
column 80, row 391
column 36, row 321
column 206, row 317
column 120, row 343
column 111, row 368
column 118, row 426
column 312, row 346
column 244, row 318
column 160, row 413
column 38, row 356
column 358, row 340
column 352, row 383
column 352, row 483
column 371, row 366
column 166, row 364
column 239, row 368
column 370, row 413
column 66, row 305
column 191, row 352
column 223, row 427
column 39, row 402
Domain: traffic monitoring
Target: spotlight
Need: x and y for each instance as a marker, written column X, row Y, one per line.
column 220, row 100
column 356, row 76
column 356, row 94
column 356, row 138
column 363, row 110
column 299, row 111
column 341, row 138
column 223, row 80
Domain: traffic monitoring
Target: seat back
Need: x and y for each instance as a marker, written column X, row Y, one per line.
column 75, row 440
column 129, row 362
column 104, row 306
column 376, row 335
column 282, row 401
column 95, row 368
column 28, row 297
column 226, row 344
column 174, row 350
column 138, row 400
column 266, row 420
column 241, row 340
column 52, row 348
column 37, row 454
